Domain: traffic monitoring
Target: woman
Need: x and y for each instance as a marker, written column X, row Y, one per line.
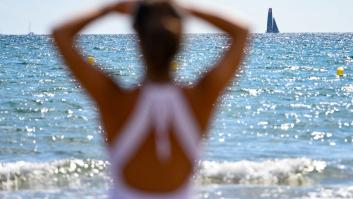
column 153, row 132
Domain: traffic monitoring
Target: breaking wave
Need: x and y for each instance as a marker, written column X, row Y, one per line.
column 63, row 173
column 93, row 173
column 293, row 172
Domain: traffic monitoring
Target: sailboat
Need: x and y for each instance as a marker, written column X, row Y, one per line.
column 30, row 33
column 271, row 23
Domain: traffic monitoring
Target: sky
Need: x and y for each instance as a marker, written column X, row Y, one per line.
column 40, row 16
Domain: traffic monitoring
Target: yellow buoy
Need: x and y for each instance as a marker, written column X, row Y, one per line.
column 340, row 71
column 174, row 65
column 90, row 60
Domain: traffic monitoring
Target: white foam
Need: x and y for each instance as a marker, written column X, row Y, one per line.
column 29, row 175
column 85, row 173
column 337, row 193
column 253, row 92
column 273, row 172
column 348, row 88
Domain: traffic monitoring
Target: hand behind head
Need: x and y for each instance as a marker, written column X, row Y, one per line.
column 124, row 7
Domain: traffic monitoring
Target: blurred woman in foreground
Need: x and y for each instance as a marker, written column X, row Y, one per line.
column 153, row 132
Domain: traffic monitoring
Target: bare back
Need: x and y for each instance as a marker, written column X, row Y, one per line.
column 144, row 166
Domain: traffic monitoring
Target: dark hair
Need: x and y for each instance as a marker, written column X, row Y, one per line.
column 155, row 24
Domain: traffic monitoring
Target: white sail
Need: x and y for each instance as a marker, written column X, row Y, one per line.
column 30, row 29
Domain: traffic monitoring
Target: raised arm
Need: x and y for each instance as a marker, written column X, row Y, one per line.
column 97, row 84
column 211, row 86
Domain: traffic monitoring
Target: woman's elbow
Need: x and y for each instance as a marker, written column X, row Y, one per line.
column 240, row 32
column 60, row 33
column 243, row 32
column 240, row 36
column 57, row 34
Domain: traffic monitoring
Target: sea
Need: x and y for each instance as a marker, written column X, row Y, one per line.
column 283, row 128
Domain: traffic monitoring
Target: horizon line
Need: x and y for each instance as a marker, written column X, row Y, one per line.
column 188, row 33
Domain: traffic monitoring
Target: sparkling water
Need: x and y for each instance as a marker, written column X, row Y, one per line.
column 283, row 129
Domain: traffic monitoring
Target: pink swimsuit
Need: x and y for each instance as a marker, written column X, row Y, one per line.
column 159, row 106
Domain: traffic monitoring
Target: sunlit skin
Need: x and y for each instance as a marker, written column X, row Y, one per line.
column 144, row 171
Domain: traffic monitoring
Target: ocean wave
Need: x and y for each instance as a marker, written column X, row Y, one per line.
column 89, row 173
column 63, row 173
column 294, row 172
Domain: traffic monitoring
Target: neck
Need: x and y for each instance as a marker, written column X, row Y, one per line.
column 160, row 78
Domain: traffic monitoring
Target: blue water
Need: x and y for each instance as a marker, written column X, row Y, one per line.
column 284, row 128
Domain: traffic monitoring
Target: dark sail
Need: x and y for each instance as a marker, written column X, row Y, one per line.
column 271, row 23
column 275, row 28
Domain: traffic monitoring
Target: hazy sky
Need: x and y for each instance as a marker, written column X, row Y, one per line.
column 39, row 16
